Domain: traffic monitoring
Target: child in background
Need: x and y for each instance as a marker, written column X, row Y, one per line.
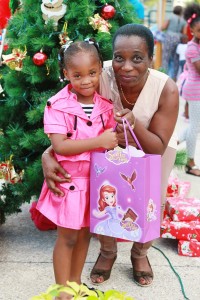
column 78, row 120
column 180, row 50
column 180, row 83
column 191, row 89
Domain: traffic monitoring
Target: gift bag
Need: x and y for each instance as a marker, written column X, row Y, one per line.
column 125, row 193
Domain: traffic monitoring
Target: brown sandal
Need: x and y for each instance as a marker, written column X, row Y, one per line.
column 101, row 273
column 139, row 276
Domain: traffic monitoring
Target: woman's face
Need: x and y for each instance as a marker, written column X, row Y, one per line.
column 130, row 60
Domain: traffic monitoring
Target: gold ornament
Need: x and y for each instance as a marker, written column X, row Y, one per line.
column 8, row 173
column 63, row 36
column 14, row 60
column 98, row 23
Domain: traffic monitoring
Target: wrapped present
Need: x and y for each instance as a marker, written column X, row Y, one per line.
column 184, row 188
column 183, row 209
column 189, row 248
column 176, row 187
column 172, row 190
column 180, row 230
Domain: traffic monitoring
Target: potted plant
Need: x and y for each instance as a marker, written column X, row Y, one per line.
column 79, row 292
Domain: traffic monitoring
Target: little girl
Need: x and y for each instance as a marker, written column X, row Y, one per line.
column 191, row 88
column 77, row 121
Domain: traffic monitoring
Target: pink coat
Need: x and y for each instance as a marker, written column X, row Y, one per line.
column 59, row 117
column 64, row 115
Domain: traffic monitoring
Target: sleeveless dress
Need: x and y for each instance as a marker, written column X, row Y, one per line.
column 144, row 109
column 148, row 100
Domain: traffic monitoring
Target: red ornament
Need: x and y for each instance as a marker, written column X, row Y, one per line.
column 39, row 58
column 108, row 12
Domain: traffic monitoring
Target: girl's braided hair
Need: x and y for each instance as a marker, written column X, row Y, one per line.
column 71, row 48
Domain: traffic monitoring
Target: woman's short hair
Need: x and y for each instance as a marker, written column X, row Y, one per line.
column 137, row 30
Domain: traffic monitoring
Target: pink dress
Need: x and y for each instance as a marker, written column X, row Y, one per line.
column 64, row 115
column 191, row 88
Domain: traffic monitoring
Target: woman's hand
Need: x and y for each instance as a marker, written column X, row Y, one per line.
column 50, row 170
column 125, row 113
column 128, row 115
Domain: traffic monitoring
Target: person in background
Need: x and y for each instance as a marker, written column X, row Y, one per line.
column 182, row 72
column 191, row 88
column 180, row 83
column 149, row 100
column 139, row 9
column 180, row 50
column 174, row 27
column 77, row 121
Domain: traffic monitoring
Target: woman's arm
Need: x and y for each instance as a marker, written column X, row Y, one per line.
column 50, row 170
column 155, row 138
column 165, row 25
column 51, row 167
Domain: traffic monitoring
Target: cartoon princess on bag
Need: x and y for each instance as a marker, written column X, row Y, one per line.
column 116, row 223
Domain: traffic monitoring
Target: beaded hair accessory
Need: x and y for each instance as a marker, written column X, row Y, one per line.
column 66, row 45
column 91, row 41
column 191, row 18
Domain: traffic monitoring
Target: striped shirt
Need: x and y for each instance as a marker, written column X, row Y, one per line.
column 191, row 88
column 87, row 108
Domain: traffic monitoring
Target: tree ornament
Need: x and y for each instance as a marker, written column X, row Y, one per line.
column 108, row 12
column 14, row 60
column 1, row 92
column 8, row 173
column 53, row 9
column 63, row 36
column 39, row 58
column 98, row 23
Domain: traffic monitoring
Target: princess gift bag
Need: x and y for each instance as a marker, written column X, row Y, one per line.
column 125, row 193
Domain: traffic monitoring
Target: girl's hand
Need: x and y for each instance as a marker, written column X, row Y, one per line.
column 108, row 139
column 50, row 170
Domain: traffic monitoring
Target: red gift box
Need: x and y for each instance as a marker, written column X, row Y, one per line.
column 184, row 188
column 172, row 190
column 180, row 230
column 189, row 248
column 177, row 187
column 183, row 209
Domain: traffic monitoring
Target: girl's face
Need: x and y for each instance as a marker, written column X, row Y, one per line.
column 109, row 198
column 130, row 60
column 196, row 30
column 83, row 72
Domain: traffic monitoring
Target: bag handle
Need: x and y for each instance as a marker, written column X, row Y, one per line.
column 125, row 121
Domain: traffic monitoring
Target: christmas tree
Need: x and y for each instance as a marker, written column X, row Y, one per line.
column 30, row 75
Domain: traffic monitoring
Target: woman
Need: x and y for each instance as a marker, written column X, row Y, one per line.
column 191, row 89
column 174, row 27
column 149, row 99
